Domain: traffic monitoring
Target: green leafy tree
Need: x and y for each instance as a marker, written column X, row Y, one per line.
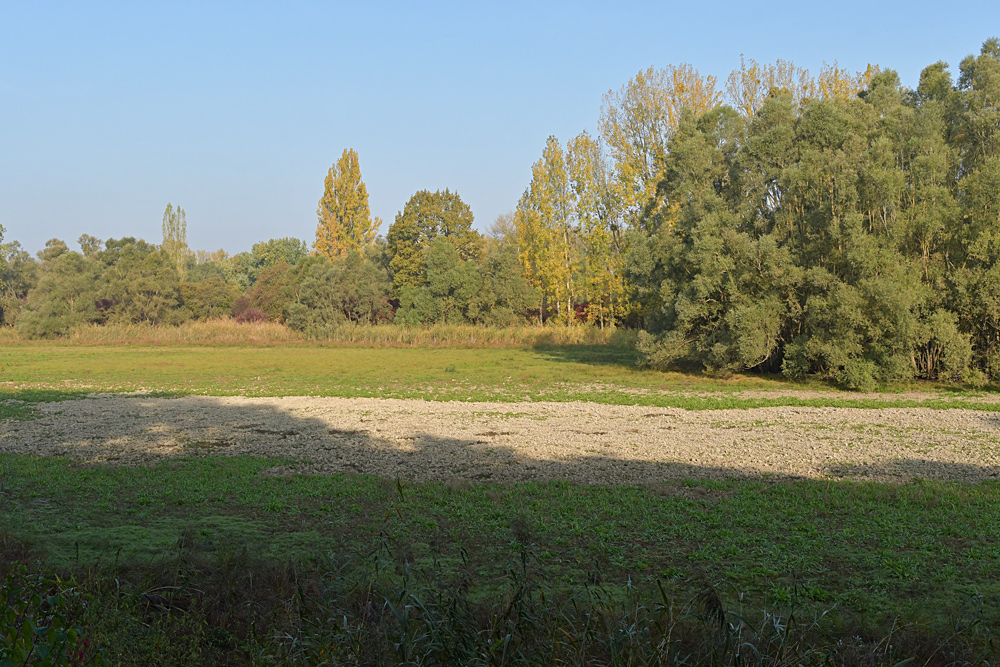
column 451, row 292
column 65, row 297
column 209, row 298
column 139, row 283
column 18, row 274
column 324, row 294
column 426, row 217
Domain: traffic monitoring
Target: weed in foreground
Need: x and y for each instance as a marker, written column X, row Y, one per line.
column 377, row 609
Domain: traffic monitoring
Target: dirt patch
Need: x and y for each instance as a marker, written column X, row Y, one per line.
column 502, row 442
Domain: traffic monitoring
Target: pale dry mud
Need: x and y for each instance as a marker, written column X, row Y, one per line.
column 507, row 442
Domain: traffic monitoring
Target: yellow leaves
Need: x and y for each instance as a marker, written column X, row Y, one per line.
column 749, row 86
column 345, row 221
column 566, row 222
column 638, row 120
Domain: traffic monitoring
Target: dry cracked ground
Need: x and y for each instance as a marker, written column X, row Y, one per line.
column 505, row 442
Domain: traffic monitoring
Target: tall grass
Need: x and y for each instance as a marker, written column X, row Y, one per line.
column 242, row 609
column 228, row 331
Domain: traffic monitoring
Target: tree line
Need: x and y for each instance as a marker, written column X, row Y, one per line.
column 837, row 224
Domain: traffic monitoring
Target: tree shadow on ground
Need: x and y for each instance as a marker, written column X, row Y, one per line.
column 141, row 431
column 621, row 356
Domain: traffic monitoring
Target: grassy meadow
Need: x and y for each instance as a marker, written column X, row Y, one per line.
column 207, row 560
column 603, row 373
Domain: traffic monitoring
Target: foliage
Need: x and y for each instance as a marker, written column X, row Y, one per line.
column 819, row 233
column 208, row 298
column 174, row 238
column 40, row 623
column 65, row 297
column 18, row 274
column 128, row 281
column 637, row 122
column 345, row 221
column 139, row 283
column 568, row 225
column 426, row 217
column 325, row 293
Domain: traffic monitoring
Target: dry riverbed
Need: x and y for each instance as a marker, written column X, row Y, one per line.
column 501, row 442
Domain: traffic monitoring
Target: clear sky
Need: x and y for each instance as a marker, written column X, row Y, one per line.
column 235, row 111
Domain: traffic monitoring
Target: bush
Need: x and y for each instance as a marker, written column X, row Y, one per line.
column 39, row 623
column 859, row 375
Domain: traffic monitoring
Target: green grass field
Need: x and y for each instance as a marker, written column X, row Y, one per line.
column 604, row 374
column 206, row 560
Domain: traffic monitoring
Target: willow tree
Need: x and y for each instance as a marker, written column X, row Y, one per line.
column 345, row 221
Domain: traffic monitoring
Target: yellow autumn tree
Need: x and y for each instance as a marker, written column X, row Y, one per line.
column 749, row 86
column 637, row 122
column 546, row 234
column 345, row 221
column 599, row 230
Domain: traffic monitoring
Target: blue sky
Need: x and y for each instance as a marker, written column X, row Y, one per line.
column 235, row 111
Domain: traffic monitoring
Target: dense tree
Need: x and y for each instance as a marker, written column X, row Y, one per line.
column 425, row 217
column 65, row 296
column 242, row 270
column 827, row 236
column 269, row 293
column 450, row 292
column 53, row 248
column 345, row 221
column 18, row 274
column 325, row 293
column 90, row 245
column 140, row 283
column 208, row 298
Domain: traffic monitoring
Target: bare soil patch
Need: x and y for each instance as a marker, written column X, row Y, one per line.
column 504, row 442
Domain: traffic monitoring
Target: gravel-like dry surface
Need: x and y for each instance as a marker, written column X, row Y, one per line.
column 584, row 442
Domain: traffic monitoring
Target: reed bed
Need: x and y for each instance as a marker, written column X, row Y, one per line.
column 227, row 331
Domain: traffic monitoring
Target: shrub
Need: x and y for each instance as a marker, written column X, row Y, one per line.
column 39, row 623
column 859, row 375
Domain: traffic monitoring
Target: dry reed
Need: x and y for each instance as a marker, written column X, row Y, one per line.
column 228, row 331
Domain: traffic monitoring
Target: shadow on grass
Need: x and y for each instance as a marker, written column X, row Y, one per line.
column 839, row 543
column 622, row 356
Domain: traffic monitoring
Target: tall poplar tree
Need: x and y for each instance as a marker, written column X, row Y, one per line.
column 546, row 233
column 345, row 221
column 175, row 237
column 597, row 224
